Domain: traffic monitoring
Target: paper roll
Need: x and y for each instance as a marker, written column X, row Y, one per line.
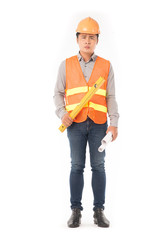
column 107, row 139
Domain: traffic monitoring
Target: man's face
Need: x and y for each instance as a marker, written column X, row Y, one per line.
column 87, row 42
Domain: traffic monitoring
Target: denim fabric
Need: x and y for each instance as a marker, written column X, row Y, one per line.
column 79, row 134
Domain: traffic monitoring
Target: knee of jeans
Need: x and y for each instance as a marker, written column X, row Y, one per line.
column 98, row 167
column 76, row 168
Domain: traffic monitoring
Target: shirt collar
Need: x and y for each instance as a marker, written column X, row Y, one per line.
column 93, row 57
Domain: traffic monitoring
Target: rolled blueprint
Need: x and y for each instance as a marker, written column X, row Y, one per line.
column 107, row 139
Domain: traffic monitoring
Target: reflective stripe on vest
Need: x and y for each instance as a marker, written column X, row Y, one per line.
column 84, row 89
column 73, row 91
column 95, row 106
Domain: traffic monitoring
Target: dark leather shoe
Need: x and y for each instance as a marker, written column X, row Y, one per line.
column 75, row 219
column 100, row 219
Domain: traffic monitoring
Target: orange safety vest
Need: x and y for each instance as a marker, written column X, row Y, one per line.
column 77, row 87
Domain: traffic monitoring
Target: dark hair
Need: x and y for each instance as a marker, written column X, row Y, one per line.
column 77, row 34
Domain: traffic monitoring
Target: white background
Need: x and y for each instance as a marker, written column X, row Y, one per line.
column 35, row 36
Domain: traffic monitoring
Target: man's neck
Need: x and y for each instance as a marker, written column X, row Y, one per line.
column 86, row 56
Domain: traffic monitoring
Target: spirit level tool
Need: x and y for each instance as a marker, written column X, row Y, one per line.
column 84, row 100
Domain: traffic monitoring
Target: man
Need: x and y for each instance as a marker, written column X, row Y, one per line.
column 76, row 75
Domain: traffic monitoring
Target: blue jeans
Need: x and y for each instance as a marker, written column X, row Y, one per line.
column 79, row 134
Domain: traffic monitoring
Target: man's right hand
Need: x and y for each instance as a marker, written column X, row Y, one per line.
column 67, row 120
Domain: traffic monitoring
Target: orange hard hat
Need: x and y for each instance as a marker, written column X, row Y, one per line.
column 88, row 25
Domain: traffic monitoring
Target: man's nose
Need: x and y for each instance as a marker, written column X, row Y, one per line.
column 87, row 39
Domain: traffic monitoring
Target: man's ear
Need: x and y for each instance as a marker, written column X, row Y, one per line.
column 77, row 39
column 97, row 40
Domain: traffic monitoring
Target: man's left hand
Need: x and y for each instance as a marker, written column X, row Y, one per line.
column 114, row 131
